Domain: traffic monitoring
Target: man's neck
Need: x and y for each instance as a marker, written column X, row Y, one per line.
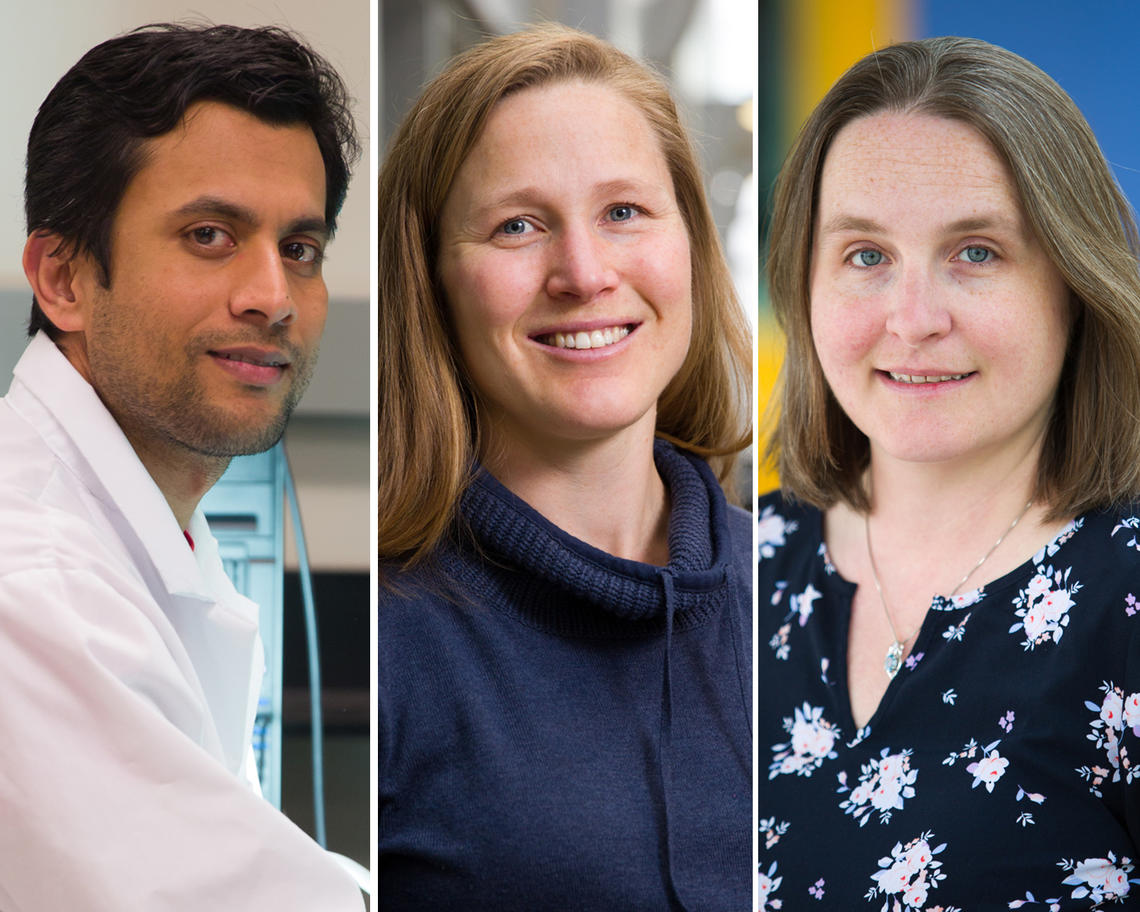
column 183, row 477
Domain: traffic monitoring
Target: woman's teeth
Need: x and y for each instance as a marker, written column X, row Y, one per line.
column 922, row 378
column 598, row 338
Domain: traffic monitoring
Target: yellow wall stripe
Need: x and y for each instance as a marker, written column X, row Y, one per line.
column 822, row 38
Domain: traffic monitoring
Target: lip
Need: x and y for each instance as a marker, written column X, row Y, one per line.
column 589, row 327
column 251, row 365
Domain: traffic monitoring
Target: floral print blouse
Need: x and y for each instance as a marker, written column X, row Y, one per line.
column 999, row 770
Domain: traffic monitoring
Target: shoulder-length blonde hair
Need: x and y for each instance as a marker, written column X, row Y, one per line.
column 427, row 430
column 1091, row 453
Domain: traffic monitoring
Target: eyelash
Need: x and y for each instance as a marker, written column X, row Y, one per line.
column 318, row 253
column 632, row 207
column 989, row 259
column 854, row 253
column 193, row 235
column 502, row 229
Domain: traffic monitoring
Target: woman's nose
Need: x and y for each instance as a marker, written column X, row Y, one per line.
column 917, row 306
column 581, row 266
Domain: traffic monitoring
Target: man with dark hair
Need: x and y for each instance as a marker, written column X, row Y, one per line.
column 182, row 185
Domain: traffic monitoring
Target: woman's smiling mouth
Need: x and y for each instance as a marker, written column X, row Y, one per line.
column 926, row 378
column 582, row 339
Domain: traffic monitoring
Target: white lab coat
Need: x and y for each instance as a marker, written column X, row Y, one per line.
column 129, row 671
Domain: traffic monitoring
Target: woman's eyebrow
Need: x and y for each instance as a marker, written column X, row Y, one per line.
column 532, row 195
column 984, row 222
column 523, row 196
column 843, row 223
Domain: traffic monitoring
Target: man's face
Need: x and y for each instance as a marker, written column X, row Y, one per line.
column 209, row 331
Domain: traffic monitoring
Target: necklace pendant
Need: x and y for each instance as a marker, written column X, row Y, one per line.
column 894, row 659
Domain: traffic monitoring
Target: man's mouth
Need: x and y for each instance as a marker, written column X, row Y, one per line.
column 267, row 359
column 252, row 366
column 594, row 338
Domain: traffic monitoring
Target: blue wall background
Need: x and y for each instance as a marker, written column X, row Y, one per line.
column 1091, row 48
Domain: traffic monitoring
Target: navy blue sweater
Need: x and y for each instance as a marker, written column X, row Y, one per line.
column 569, row 730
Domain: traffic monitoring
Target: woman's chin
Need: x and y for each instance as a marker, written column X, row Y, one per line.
column 559, row 428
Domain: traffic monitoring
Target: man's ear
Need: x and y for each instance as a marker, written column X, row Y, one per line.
column 53, row 271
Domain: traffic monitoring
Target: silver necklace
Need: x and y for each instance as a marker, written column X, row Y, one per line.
column 893, row 660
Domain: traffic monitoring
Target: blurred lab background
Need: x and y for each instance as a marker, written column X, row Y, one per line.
column 706, row 49
column 805, row 45
column 327, row 440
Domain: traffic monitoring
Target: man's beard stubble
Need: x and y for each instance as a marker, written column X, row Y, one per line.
column 175, row 409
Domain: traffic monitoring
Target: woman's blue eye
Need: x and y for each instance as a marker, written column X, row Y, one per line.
column 515, row 226
column 621, row 213
column 867, row 258
column 977, row 254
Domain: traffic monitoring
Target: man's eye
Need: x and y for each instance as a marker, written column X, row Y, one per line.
column 301, row 253
column 209, row 236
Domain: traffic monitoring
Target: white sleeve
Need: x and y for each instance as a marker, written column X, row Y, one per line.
column 108, row 803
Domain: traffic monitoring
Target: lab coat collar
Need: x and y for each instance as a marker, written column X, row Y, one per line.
column 65, row 409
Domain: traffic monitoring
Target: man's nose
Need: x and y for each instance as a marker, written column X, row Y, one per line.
column 261, row 286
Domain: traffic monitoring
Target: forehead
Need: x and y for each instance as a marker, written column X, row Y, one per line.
column 913, row 166
column 219, row 151
column 548, row 132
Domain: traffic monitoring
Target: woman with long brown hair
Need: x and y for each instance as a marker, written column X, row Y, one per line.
column 948, row 654
column 564, row 614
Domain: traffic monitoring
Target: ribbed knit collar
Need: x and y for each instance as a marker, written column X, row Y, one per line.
column 533, row 569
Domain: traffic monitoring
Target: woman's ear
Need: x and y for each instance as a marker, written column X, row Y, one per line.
column 52, row 272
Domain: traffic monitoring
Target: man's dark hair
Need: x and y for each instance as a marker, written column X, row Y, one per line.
column 86, row 144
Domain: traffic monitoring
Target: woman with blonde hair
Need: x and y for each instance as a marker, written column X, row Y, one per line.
column 564, row 613
column 948, row 654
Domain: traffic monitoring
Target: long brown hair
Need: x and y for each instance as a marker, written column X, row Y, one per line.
column 1091, row 453
column 427, row 428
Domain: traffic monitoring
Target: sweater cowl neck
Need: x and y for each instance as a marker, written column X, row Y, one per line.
column 543, row 574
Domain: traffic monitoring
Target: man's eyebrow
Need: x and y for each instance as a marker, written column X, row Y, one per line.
column 308, row 225
column 214, row 206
